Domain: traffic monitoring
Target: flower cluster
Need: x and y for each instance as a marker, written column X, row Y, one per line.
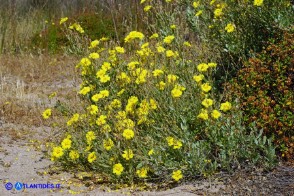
column 77, row 27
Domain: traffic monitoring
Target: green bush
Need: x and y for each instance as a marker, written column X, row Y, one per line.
column 96, row 25
column 237, row 29
column 264, row 88
column 52, row 38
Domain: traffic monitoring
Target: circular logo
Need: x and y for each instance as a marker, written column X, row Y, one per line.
column 8, row 186
column 18, row 186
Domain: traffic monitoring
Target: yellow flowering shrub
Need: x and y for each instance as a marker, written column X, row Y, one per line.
column 150, row 111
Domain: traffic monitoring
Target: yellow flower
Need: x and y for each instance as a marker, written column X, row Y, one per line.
column 160, row 49
column 132, row 65
column 144, row 107
column 169, row 39
column 104, row 93
column 205, row 87
column 258, row 2
column 63, row 20
column 94, row 55
column 124, row 78
column 66, row 143
column 96, row 97
column 73, row 119
column 120, row 49
column 94, row 44
column 120, row 92
column 108, row 144
column 116, row 103
column 215, row 114
column 198, row 78
column 153, row 104
column 188, row 44
column 85, row 62
column 118, row 169
column 199, row 13
column 88, row 148
column 218, row 13
column 212, row 65
column 142, row 173
column 106, row 128
column 101, row 120
column 177, row 175
column 133, row 100
column 147, row 8
column 230, row 28
column 155, row 35
column 196, row 4
column 85, row 90
column 212, row 2
column 150, row 152
column 104, row 79
column 79, row 29
column 144, row 52
column 72, row 26
column 73, row 155
column 104, row 39
column 145, row 45
column 92, row 157
column 170, row 141
column 226, row 106
column 157, row 72
column 47, row 113
column 93, row 109
column 133, row 35
column 169, row 53
column 142, row 1
column 100, row 73
column 128, row 154
column 57, row 152
column 128, row 123
column 142, row 77
column 161, row 85
column 207, row 102
column 173, row 26
column 172, row 78
column 177, row 144
column 203, row 115
column 90, row 136
column 176, row 93
column 106, row 66
column 202, row 67
column 52, row 95
column 128, row 134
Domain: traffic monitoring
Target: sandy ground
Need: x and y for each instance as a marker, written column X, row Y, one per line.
column 24, row 136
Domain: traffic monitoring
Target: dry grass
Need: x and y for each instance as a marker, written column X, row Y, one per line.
column 25, row 84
